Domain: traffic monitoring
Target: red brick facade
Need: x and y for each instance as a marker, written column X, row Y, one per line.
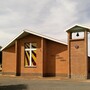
column 78, row 57
column 78, row 61
column 9, row 60
column 51, row 58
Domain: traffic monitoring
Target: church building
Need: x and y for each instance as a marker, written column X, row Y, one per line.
column 34, row 54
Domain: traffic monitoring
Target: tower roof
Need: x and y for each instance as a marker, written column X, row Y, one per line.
column 77, row 28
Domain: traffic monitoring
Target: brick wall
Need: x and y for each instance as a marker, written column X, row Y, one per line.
column 9, row 61
column 29, row 70
column 51, row 58
column 57, row 63
column 77, row 59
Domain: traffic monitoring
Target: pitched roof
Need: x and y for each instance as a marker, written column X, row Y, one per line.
column 27, row 32
column 78, row 28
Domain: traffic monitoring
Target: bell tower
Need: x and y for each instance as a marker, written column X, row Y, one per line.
column 78, row 52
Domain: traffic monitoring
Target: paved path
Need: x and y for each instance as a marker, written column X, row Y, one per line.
column 20, row 83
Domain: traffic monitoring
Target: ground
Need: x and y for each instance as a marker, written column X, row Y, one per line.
column 26, row 83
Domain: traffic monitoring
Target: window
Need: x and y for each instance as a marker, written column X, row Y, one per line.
column 30, row 54
column 81, row 35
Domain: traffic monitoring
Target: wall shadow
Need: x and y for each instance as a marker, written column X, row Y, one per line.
column 18, row 63
column 88, row 67
column 53, row 55
column 14, row 87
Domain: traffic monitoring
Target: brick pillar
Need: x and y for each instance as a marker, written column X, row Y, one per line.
column 86, row 51
column 69, row 61
column 18, row 60
column 77, row 55
column 44, row 56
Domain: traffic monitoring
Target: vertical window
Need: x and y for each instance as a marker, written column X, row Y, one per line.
column 30, row 54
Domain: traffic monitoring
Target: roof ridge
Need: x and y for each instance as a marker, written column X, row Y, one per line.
column 45, row 36
column 35, row 33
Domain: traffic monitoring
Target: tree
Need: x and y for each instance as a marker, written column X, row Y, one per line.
column 0, row 47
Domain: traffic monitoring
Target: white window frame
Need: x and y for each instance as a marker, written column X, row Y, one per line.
column 81, row 35
column 30, row 49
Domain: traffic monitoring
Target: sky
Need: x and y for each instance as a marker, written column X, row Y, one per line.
column 48, row 17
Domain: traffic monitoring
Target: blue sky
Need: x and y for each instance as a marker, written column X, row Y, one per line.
column 49, row 17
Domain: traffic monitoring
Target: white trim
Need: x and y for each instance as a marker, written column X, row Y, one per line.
column 12, row 40
column 30, row 57
column 34, row 33
column 44, row 36
column 30, row 50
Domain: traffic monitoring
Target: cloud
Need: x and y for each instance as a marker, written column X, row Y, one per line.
column 61, row 16
column 6, row 37
column 22, row 13
column 83, row 13
column 50, row 17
